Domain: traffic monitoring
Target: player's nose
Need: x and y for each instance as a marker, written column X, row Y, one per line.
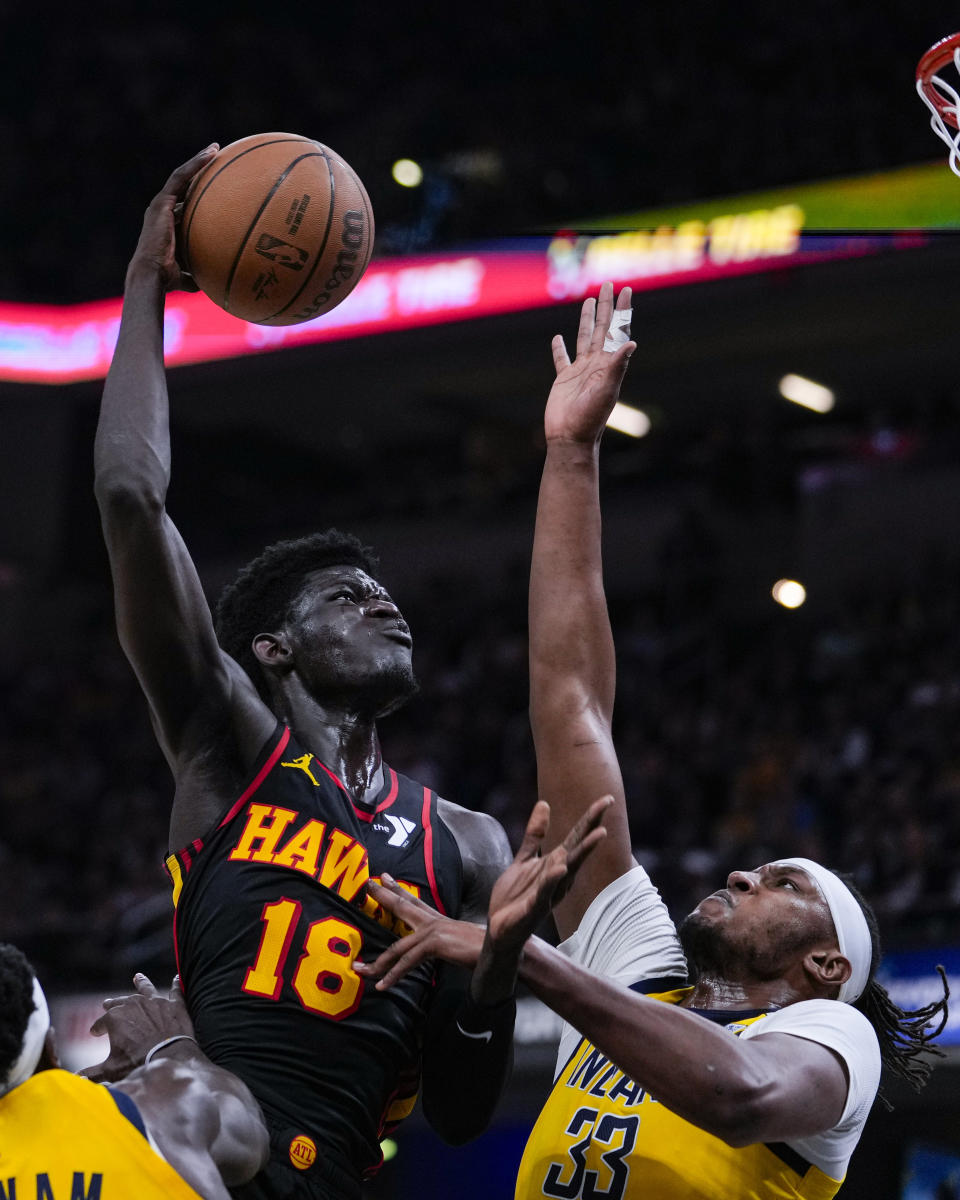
column 382, row 606
column 743, row 881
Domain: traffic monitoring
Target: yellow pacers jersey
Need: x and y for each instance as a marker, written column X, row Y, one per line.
column 601, row 1134
column 64, row 1138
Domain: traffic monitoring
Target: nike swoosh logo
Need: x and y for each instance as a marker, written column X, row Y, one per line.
column 480, row 1037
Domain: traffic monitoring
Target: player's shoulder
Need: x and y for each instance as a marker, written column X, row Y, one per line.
column 479, row 832
column 484, row 853
column 830, row 1022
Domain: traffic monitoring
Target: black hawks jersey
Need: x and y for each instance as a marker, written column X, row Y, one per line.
column 271, row 913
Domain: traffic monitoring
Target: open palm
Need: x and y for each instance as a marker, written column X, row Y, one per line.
column 524, row 893
column 585, row 390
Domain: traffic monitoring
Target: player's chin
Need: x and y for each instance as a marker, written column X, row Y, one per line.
column 396, row 685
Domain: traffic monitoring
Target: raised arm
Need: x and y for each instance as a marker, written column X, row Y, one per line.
column 572, row 664
column 163, row 619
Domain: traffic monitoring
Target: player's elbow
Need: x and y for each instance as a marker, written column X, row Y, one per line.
column 576, row 710
column 123, row 493
column 454, row 1128
column 242, row 1146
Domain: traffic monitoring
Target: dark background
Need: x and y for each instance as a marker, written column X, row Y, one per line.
column 744, row 730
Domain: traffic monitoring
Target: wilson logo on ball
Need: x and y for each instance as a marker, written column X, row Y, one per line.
column 351, row 242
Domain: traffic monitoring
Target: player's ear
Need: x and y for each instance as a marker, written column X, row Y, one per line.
column 49, row 1059
column 272, row 650
column 827, row 968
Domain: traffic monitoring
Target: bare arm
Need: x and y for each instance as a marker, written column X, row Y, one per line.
column 769, row 1088
column 469, row 1032
column 572, row 662
column 163, row 619
column 203, row 1119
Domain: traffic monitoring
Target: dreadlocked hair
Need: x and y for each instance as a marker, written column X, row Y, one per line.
column 260, row 597
column 16, row 1004
column 905, row 1035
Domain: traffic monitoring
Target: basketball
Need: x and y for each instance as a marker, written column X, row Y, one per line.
column 276, row 229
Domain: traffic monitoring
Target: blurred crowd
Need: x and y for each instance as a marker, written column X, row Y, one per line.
column 523, row 116
column 836, row 737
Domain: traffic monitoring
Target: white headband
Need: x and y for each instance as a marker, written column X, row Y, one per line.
column 33, row 1038
column 853, row 933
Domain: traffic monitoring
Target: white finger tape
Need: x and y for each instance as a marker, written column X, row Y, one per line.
column 619, row 332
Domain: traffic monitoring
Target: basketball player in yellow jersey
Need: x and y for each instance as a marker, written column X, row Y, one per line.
column 756, row 1080
column 178, row 1128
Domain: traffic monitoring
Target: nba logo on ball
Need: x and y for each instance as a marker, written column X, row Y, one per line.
column 276, row 229
column 303, row 1152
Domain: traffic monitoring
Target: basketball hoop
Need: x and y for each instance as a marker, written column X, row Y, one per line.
column 942, row 99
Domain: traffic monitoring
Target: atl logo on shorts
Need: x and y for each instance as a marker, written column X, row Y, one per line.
column 303, row 1152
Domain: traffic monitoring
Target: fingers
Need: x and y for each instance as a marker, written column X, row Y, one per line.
column 587, row 325
column 393, row 963
column 604, row 316
column 584, row 850
column 625, row 298
column 535, row 832
column 590, row 820
column 177, row 184
column 144, row 985
column 399, row 902
column 406, row 962
column 586, row 835
column 560, row 357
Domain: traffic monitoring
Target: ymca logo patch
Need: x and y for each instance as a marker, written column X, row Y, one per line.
column 303, row 1152
column 399, row 828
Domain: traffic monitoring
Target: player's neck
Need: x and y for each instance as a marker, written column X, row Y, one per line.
column 718, row 993
column 345, row 742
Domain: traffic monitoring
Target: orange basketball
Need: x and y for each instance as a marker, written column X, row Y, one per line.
column 276, row 229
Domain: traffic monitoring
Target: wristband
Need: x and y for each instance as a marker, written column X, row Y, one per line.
column 482, row 1021
column 178, row 1037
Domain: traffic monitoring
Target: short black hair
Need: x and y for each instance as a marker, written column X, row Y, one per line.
column 260, row 597
column 16, row 1004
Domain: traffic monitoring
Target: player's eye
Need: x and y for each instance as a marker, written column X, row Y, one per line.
column 785, row 882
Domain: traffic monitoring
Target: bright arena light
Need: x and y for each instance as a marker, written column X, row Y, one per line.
column 407, row 173
column 629, row 420
column 789, row 593
column 803, row 391
column 388, row 1148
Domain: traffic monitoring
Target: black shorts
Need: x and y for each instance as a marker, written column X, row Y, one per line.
column 324, row 1179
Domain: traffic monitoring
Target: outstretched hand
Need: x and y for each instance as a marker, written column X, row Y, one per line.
column 157, row 246
column 523, row 895
column 585, row 390
column 136, row 1023
column 520, row 900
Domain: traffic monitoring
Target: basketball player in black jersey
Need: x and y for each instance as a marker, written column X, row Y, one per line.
column 283, row 807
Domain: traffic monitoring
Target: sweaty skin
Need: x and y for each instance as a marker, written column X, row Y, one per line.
column 339, row 661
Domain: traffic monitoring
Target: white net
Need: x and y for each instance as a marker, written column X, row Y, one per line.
column 949, row 103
